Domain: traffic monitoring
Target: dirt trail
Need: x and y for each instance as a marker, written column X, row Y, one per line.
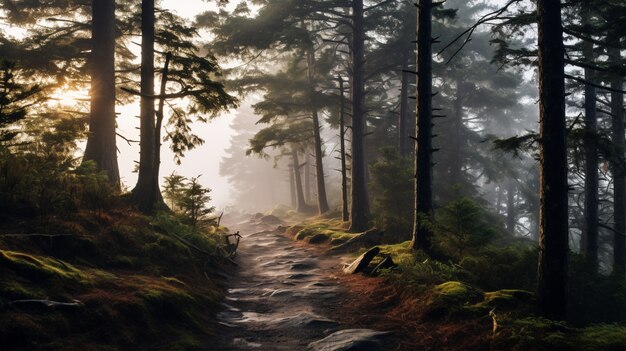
column 282, row 297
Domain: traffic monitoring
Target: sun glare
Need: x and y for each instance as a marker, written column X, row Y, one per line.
column 67, row 97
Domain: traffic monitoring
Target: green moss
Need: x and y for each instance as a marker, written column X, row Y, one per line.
column 535, row 333
column 452, row 290
column 506, row 298
column 603, row 337
column 322, row 231
column 401, row 252
column 36, row 267
column 139, row 283
column 14, row 290
column 450, row 298
column 279, row 211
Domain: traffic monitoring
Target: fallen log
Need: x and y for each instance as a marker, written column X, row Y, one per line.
column 361, row 263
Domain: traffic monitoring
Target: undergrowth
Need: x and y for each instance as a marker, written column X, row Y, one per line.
column 124, row 281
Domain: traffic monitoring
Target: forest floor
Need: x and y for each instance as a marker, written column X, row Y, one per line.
column 287, row 295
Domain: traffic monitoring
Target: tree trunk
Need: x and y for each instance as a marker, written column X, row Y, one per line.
column 360, row 211
column 553, row 231
column 160, row 114
column 307, row 177
column 403, row 123
column 499, row 195
column 147, row 195
column 101, row 143
column 511, row 214
column 456, row 162
column 300, row 203
column 618, row 169
column 423, row 148
column 345, row 215
column 322, row 202
column 292, row 187
column 589, row 238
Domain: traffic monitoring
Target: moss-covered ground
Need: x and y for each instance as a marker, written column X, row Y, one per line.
column 122, row 281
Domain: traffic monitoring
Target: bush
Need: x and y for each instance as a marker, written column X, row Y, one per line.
column 37, row 184
column 462, row 229
column 392, row 195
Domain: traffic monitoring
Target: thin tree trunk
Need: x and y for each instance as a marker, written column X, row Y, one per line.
column 160, row 114
column 403, row 123
column 345, row 215
column 147, row 195
column 360, row 211
column 511, row 213
column 300, row 203
column 589, row 238
column 456, row 162
column 101, row 143
column 553, row 231
column 307, row 177
column 618, row 169
column 322, row 202
column 500, row 199
column 292, row 186
column 423, row 148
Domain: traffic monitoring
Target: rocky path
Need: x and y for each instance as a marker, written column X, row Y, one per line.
column 282, row 297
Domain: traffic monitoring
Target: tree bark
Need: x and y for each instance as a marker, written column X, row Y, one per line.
column 511, row 214
column 589, row 238
column 307, row 177
column 322, row 202
column 360, row 209
column 423, row 148
column 160, row 114
column 147, row 195
column 300, row 203
column 456, row 162
column 553, row 231
column 101, row 142
column 345, row 215
column 403, row 122
column 618, row 169
column 292, row 186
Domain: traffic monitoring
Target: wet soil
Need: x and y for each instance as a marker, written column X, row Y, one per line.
column 284, row 296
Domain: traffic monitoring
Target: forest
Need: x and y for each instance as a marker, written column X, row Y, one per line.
column 325, row 175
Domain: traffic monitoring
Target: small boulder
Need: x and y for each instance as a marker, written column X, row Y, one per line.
column 350, row 340
column 361, row 263
column 318, row 238
column 270, row 219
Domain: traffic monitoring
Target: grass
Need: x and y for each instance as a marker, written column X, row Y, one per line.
column 144, row 283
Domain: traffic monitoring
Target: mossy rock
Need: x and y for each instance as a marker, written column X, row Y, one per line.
column 293, row 230
column 318, row 238
column 506, row 298
column 280, row 210
column 450, row 298
column 338, row 241
column 400, row 252
column 39, row 267
column 270, row 219
column 303, row 234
